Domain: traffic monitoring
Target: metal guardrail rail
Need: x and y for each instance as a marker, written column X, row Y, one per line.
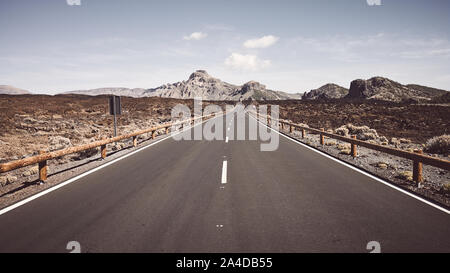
column 417, row 157
column 43, row 156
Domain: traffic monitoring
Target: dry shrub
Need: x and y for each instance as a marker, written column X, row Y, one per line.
column 361, row 132
column 343, row 131
column 405, row 175
column 438, row 145
column 446, row 188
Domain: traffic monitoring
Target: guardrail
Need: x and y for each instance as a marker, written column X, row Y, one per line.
column 417, row 157
column 43, row 156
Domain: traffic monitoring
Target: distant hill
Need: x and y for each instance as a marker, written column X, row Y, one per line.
column 11, row 90
column 385, row 89
column 118, row 91
column 431, row 92
column 444, row 98
column 327, row 91
column 199, row 84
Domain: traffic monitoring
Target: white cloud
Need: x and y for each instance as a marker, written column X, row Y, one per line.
column 262, row 42
column 195, row 36
column 246, row 62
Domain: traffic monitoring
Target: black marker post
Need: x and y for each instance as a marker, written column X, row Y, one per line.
column 115, row 109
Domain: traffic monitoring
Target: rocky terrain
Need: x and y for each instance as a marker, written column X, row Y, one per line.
column 36, row 122
column 415, row 122
column 328, row 91
column 199, row 84
column 445, row 98
column 11, row 90
column 379, row 88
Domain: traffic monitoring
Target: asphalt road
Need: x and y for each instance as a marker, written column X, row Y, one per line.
column 171, row 197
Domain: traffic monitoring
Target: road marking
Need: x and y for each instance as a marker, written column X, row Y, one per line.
column 360, row 171
column 73, row 179
column 226, row 140
column 224, row 172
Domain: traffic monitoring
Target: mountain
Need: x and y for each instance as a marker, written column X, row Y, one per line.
column 327, row 91
column 199, row 84
column 431, row 92
column 11, row 90
column 388, row 90
column 256, row 91
column 118, row 91
column 444, row 98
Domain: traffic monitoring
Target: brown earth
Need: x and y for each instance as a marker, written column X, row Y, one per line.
column 416, row 122
column 30, row 123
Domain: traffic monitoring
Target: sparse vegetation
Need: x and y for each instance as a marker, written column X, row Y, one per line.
column 415, row 122
column 438, row 145
column 405, row 175
column 361, row 132
column 382, row 165
column 446, row 187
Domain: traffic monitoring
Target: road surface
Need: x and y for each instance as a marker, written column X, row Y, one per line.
column 172, row 197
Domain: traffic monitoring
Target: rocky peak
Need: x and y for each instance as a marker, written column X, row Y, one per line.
column 199, row 75
column 252, row 86
column 327, row 91
column 382, row 89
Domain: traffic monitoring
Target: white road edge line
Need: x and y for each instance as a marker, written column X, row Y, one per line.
column 73, row 179
column 224, row 172
column 361, row 171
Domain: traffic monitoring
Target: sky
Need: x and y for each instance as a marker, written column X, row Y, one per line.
column 51, row 46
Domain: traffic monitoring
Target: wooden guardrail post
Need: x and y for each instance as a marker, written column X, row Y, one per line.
column 321, row 136
column 103, row 150
column 417, row 169
column 42, row 168
column 135, row 141
column 353, row 148
column 153, row 134
column 290, row 128
column 167, row 130
column 303, row 133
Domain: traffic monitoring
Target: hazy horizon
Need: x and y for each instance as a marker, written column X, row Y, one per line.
column 292, row 46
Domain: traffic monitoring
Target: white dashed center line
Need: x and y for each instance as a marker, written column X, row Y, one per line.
column 226, row 140
column 224, row 172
